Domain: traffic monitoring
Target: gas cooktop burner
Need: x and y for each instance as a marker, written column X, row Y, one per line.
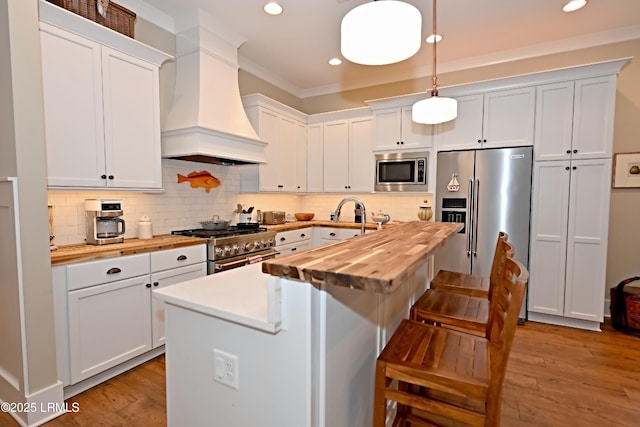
column 231, row 231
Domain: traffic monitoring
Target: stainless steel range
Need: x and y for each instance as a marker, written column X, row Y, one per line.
column 235, row 247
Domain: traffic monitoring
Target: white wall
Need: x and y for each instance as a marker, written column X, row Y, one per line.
column 182, row 207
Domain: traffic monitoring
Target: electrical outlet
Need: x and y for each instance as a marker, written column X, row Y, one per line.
column 225, row 368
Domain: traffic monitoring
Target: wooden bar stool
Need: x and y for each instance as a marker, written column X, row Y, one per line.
column 462, row 311
column 439, row 376
column 469, row 284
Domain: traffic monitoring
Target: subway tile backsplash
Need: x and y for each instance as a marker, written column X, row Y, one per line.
column 181, row 207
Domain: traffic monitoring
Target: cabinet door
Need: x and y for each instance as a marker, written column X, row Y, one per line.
column 593, row 117
column 315, row 155
column 336, row 156
column 465, row 130
column 388, row 125
column 300, row 145
column 587, row 239
column 550, row 207
column 415, row 135
column 108, row 324
column 287, row 156
column 267, row 128
column 554, row 121
column 361, row 161
column 132, row 121
column 72, row 94
column 166, row 278
column 508, row 118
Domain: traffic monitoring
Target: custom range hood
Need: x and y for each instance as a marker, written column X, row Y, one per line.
column 207, row 122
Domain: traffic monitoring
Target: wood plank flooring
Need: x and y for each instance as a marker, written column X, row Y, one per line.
column 556, row 377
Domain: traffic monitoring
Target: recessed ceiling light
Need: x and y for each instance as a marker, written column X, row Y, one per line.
column 429, row 39
column 574, row 5
column 335, row 61
column 273, row 8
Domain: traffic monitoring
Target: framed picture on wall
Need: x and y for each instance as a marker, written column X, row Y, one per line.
column 626, row 170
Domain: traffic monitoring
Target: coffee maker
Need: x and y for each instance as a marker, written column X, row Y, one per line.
column 104, row 225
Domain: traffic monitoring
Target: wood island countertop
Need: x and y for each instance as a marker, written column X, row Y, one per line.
column 376, row 262
column 82, row 252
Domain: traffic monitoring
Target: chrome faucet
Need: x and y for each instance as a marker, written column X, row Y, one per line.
column 357, row 201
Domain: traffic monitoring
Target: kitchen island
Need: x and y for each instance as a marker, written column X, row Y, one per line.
column 293, row 341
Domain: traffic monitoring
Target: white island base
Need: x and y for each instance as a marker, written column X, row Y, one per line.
column 305, row 355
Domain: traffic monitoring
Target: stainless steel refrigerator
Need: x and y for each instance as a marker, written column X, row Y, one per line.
column 488, row 190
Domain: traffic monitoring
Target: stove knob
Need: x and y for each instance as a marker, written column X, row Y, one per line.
column 249, row 246
column 219, row 252
column 236, row 249
column 227, row 250
column 263, row 243
column 272, row 242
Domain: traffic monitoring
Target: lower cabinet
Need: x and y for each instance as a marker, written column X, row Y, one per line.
column 326, row 235
column 569, row 232
column 109, row 315
column 288, row 242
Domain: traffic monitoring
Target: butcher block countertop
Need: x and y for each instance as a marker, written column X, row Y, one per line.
column 83, row 252
column 375, row 262
column 287, row 226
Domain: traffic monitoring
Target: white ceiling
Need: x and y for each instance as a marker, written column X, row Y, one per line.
column 291, row 50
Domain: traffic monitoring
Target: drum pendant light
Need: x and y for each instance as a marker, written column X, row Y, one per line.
column 436, row 109
column 381, row 32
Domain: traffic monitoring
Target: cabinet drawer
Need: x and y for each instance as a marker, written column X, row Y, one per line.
column 179, row 257
column 92, row 273
column 338, row 233
column 293, row 236
column 292, row 248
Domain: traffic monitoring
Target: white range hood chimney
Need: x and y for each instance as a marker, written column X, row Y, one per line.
column 207, row 122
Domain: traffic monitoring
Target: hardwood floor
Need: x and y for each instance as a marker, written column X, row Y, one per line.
column 556, row 377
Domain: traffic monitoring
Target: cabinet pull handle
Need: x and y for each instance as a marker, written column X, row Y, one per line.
column 148, row 285
column 568, row 151
column 110, row 176
column 303, row 235
column 282, row 239
column 479, row 141
column 103, row 176
column 574, row 168
column 332, row 234
column 294, row 249
column 114, row 270
column 155, row 283
column 280, row 186
column 575, row 151
column 181, row 258
column 566, row 168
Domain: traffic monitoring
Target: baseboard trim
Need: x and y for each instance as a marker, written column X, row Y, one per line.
column 564, row 321
column 72, row 390
column 43, row 406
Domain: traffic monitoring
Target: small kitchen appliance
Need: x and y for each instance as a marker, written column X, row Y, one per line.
column 402, row 171
column 273, row 217
column 104, row 225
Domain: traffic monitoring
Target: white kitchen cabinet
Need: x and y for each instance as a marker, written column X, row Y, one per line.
column 574, row 120
column 348, row 156
column 395, row 130
column 570, row 221
column 324, row 235
column 315, row 155
column 102, row 111
column 105, row 312
column 285, row 169
column 501, row 118
column 292, row 241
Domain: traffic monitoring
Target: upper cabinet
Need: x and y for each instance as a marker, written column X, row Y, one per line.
column 574, row 120
column 286, row 152
column 348, row 156
column 395, row 130
column 101, row 105
column 501, row 118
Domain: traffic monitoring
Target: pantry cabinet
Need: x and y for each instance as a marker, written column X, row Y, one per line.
column 102, row 109
column 285, row 169
column 501, row 118
column 574, row 119
column 569, row 231
column 395, row 130
column 348, row 156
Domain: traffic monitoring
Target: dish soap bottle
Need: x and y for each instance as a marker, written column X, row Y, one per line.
column 424, row 212
column 358, row 214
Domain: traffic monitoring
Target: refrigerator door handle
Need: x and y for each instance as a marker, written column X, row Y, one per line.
column 471, row 225
column 475, row 220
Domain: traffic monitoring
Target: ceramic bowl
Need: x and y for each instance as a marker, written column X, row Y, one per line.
column 304, row 216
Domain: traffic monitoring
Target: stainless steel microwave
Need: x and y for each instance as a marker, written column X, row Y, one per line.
column 401, row 171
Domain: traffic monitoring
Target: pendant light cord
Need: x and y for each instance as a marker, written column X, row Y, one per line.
column 434, row 78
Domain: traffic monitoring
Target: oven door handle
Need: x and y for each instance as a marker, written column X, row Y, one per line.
column 218, row 267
